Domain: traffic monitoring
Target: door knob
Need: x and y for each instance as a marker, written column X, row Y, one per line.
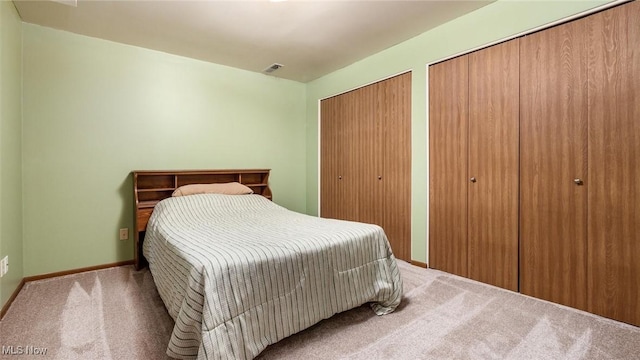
column 578, row 181
column 473, row 179
column 379, row 177
column 339, row 177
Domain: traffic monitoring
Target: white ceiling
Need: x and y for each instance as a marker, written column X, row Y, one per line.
column 310, row 38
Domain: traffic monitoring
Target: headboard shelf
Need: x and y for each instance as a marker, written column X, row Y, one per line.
column 151, row 186
column 147, row 204
column 158, row 189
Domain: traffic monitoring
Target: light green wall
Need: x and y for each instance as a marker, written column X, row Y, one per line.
column 10, row 148
column 488, row 24
column 95, row 110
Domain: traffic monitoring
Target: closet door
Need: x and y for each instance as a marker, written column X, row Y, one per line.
column 493, row 165
column 553, row 164
column 365, row 158
column 393, row 114
column 614, row 164
column 338, row 160
column 365, row 147
column 448, row 155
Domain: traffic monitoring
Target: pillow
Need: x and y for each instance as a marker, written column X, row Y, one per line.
column 233, row 188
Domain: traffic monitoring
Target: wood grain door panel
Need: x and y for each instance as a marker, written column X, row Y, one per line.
column 394, row 117
column 493, row 163
column 329, row 160
column 553, row 152
column 337, row 175
column 448, row 153
column 614, row 164
column 365, row 158
column 365, row 148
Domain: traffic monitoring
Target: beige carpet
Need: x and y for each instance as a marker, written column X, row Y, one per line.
column 117, row 314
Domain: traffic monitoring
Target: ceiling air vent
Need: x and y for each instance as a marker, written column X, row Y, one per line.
column 273, row 68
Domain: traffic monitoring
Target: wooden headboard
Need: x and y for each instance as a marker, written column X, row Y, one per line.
column 149, row 187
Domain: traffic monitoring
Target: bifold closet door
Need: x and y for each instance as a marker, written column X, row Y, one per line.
column 493, row 165
column 553, row 164
column 366, row 147
column 448, row 158
column 393, row 114
column 614, row 164
column 365, row 158
column 351, row 156
column 338, row 160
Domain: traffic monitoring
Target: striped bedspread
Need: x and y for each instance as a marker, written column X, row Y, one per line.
column 238, row 272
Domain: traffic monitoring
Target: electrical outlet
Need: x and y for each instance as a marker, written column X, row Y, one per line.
column 4, row 265
column 124, row 234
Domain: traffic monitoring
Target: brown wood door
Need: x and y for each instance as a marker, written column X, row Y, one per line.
column 493, row 165
column 393, row 114
column 337, row 158
column 614, row 163
column 365, row 158
column 448, row 155
column 329, row 150
column 553, row 153
column 365, row 148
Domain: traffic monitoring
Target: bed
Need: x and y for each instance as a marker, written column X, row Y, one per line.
column 239, row 272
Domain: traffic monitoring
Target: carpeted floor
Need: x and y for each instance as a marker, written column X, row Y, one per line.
column 116, row 314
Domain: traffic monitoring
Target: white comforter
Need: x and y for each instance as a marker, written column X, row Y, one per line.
column 238, row 272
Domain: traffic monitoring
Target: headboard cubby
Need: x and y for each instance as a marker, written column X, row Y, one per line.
column 150, row 187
